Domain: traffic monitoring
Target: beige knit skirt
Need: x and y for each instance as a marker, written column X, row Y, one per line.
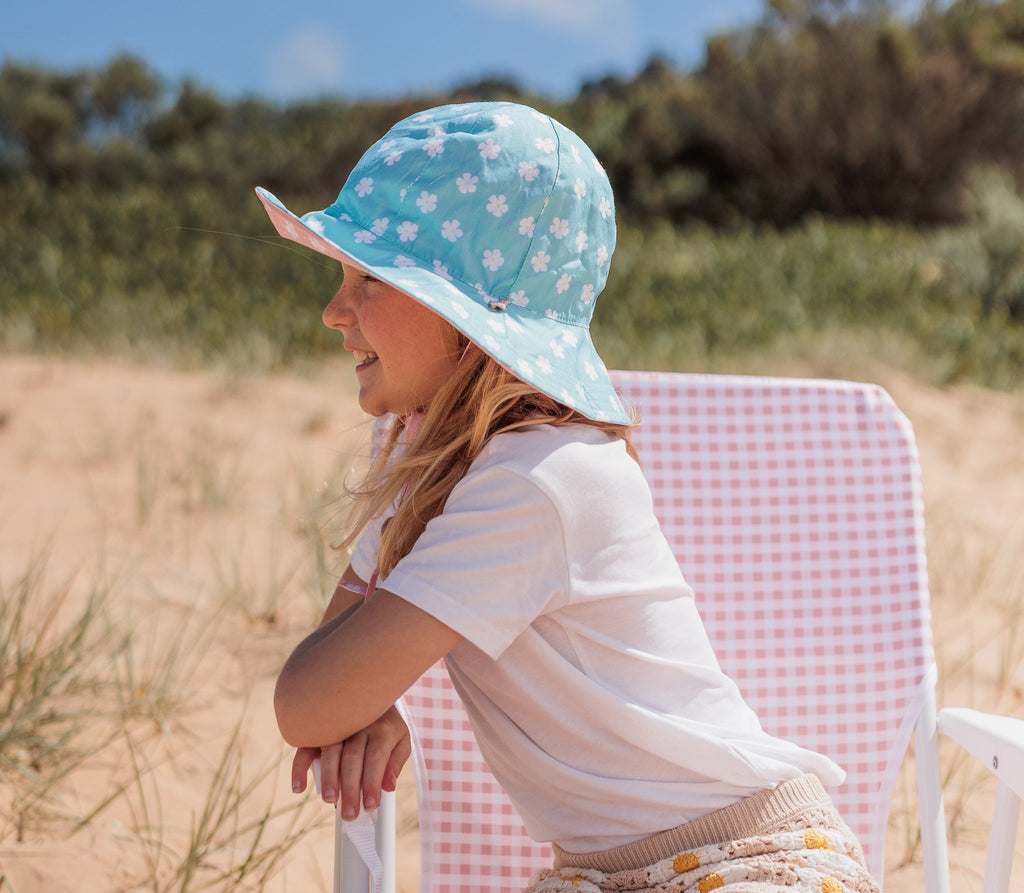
column 788, row 838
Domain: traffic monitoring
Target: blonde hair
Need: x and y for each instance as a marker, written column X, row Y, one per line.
column 479, row 400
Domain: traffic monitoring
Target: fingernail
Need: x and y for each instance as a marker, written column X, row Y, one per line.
column 297, row 787
column 330, row 795
column 370, row 803
column 348, row 813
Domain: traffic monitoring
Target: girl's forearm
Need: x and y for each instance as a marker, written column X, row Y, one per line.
column 346, row 674
column 297, row 693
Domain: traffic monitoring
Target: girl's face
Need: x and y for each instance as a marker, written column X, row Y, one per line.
column 404, row 351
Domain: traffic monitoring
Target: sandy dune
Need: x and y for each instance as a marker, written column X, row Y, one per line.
column 199, row 506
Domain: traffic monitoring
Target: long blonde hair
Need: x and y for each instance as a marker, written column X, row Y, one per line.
column 479, row 400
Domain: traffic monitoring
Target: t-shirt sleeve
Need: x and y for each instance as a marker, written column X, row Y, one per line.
column 491, row 562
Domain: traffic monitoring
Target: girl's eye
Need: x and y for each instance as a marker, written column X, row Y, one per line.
column 355, row 274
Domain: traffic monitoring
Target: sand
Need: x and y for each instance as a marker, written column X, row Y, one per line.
column 201, row 506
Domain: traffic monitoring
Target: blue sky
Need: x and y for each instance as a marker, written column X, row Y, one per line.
column 375, row 48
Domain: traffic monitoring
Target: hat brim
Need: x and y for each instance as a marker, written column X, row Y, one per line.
column 557, row 358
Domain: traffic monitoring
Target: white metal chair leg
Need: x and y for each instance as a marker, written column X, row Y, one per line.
column 929, row 790
column 1001, row 843
column 386, row 841
column 351, row 875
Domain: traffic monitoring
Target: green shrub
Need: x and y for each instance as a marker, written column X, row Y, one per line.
column 698, row 298
column 189, row 279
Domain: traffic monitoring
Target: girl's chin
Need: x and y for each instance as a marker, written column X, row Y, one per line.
column 373, row 404
column 372, row 407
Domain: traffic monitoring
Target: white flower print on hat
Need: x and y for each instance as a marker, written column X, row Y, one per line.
column 497, row 217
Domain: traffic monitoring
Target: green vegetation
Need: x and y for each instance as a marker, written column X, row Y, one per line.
column 835, row 171
column 940, row 301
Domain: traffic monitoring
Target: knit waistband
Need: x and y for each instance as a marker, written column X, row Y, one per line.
column 765, row 812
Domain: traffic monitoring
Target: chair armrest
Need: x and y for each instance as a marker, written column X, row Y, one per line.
column 997, row 741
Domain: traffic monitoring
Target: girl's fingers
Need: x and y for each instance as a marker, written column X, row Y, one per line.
column 330, row 762
column 351, row 775
column 301, row 763
column 375, row 766
column 398, row 758
column 354, row 773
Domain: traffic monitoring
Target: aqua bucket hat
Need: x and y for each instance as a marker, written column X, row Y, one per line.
column 496, row 217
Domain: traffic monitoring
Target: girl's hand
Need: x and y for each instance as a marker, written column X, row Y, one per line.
column 359, row 768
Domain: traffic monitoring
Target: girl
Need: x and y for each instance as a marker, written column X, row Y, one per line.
column 506, row 526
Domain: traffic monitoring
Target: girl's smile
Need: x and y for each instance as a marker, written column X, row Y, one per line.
column 404, row 351
column 362, row 357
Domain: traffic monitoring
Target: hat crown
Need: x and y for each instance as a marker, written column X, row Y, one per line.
column 496, row 196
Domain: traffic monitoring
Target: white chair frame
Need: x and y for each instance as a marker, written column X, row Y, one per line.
column 998, row 742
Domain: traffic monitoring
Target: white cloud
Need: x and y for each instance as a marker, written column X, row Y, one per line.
column 609, row 20
column 308, row 61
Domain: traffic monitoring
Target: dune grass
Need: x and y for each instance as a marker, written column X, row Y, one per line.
column 46, row 693
column 81, row 693
column 112, row 677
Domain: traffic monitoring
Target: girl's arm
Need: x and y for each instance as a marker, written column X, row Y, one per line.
column 349, row 672
column 345, row 597
column 355, row 771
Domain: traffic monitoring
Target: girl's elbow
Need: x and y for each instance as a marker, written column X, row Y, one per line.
column 291, row 735
column 289, row 719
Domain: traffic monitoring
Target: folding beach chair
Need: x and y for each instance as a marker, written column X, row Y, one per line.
column 794, row 508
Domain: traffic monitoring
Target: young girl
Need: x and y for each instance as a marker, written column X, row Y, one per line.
column 506, row 526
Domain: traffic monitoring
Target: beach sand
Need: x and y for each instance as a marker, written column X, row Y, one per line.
column 201, row 507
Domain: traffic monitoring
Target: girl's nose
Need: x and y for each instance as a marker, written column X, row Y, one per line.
column 338, row 313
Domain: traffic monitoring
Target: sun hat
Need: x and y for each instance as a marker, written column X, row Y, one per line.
column 498, row 218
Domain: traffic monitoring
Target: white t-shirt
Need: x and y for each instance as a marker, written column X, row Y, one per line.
column 587, row 675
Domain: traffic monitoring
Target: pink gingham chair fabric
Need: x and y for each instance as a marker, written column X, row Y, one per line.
column 794, row 508
column 471, row 838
